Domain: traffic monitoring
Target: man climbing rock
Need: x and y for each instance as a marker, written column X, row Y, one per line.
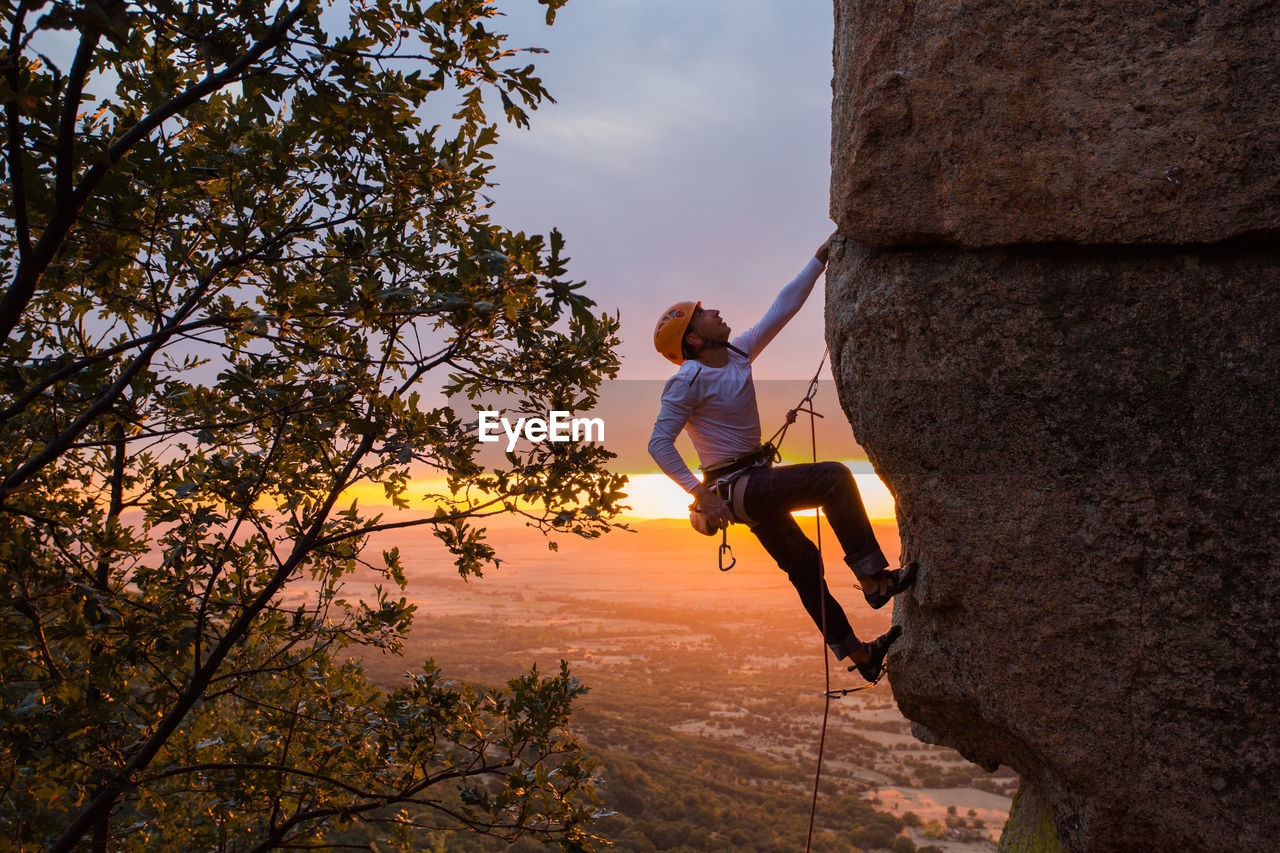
column 712, row 396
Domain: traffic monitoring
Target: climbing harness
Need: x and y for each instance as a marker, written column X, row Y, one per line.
column 729, row 478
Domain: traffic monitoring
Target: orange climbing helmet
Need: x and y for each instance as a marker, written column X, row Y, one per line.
column 668, row 337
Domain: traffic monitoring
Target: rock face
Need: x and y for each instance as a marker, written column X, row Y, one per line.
column 1084, row 440
column 993, row 122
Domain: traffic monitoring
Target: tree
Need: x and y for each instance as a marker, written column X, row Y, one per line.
column 903, row 844
column 245, row 249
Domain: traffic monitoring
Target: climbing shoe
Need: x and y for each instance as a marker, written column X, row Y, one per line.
column 899, row 579
column 873, row 667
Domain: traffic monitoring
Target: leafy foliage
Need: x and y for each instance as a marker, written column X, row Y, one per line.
column 246, row 248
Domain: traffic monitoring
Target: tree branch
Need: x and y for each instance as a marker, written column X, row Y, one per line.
column 59, row 444
column 64, row 157
column 69, row 370
column 282, row 769
column 13, row 125
column 26, row 608
column 375, row 801
column 33, row 264
column 106, row 797
column 163, row 433
column 473, row 512
column 245, row 510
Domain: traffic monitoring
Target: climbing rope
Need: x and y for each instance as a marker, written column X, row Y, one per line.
column 827, row 694
column 806, row 406
column 822, row 586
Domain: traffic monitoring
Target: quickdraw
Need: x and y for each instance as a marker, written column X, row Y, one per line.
column 845, row 691
column 725, row 549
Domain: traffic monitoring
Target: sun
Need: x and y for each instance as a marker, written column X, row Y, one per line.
column 655, row 495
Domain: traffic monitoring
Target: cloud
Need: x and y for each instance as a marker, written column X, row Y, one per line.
column 687, row 156
column 639, row 83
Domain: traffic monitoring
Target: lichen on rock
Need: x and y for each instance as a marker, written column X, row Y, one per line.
column 1030, row 826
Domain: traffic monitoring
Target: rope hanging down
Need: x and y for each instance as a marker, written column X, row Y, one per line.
column 806, row 405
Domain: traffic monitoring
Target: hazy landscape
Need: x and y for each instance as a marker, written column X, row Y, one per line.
column 706, row 691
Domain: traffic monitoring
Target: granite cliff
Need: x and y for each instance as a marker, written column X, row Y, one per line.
column 1054, row 318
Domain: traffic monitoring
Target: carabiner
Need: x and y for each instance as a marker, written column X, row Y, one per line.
column 725, row 549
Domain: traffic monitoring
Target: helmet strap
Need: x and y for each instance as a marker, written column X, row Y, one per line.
column 726, row 345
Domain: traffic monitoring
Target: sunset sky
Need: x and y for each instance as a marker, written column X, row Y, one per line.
column 688, row 157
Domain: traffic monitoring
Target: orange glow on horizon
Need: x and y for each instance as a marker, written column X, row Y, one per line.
column 655, row 495
column 650, row 495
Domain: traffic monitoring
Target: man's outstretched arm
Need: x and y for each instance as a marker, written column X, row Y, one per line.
column 785, row 306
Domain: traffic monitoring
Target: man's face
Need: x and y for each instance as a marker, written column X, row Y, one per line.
column 707, row 324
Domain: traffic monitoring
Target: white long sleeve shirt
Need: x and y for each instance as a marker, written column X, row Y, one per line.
column 717, row 405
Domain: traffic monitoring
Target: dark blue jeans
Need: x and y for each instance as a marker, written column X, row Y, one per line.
column 771, row 495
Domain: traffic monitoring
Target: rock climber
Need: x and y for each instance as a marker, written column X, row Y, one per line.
column 712, row 396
